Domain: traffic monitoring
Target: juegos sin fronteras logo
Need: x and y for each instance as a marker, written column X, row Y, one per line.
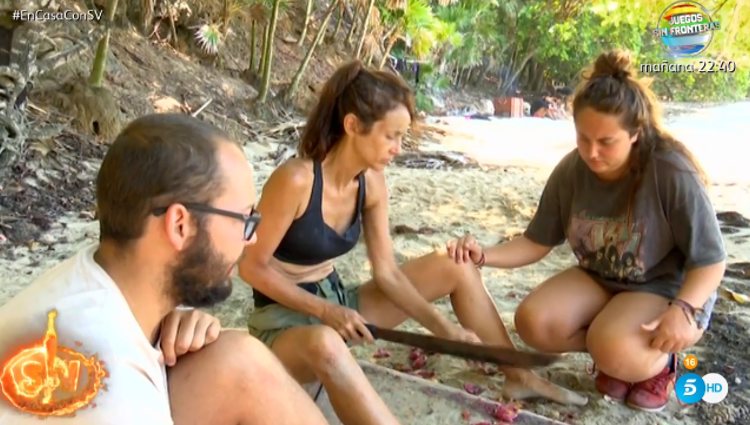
column 46, row 379
column 685, row 28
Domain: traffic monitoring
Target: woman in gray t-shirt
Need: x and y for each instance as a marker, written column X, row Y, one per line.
column 631, row 202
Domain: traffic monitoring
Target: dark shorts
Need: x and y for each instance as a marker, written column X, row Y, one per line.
column 268, row 322
column 666, row 290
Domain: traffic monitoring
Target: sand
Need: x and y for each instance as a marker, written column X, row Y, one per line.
column 420, row 402
column 492, row 202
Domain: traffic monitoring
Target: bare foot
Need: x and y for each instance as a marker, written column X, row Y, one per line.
column 523, row 383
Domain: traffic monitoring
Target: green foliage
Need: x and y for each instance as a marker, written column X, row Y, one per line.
column 440, row 82
column 730, row 43
column 424, row 102
column 533, row 42
column 703, row 87
column 418, row 26
column 208, row 37
column 565, row 36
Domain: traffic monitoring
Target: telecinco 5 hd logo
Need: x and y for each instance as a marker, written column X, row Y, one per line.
column 691, row 388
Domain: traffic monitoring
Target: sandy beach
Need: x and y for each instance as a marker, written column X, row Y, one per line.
column 495, row 201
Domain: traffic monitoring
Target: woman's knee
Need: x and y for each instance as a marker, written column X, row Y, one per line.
column 625, row 357
column 552, row 316
column 325, row 349
column 535, row 326
column 461, row 273
column 451, row 271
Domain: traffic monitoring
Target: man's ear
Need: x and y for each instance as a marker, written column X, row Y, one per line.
column 178, row 226
column 351, row 124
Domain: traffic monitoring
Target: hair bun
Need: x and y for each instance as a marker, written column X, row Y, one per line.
column 615, row 63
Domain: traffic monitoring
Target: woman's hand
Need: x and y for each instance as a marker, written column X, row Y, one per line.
column 672, row 331
column 347, row 322
column 465, row 249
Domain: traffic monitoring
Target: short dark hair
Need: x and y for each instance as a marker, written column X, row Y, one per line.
column 155, row 161
column 538, row 104
column 367, row 93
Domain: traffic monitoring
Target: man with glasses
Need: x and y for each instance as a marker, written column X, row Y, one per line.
column 175, row 203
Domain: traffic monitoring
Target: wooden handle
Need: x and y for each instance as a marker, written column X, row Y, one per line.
column 466, row 350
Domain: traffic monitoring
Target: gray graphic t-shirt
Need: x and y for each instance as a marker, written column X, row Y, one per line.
column 672, row 226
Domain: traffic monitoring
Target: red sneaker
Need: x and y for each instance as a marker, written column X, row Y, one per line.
column 652, row 395
column 612, row 387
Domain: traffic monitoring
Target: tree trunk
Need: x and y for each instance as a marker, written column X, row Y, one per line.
column 508, row 67
column 388, row 48
column 537, row 81
column 174, row 30
column 477, row 76
column 269, row 52
column 459, row 73
column 520, row 67
column 308, row 13
column 523, row 76
column 339, row 20
column 15, row 52
column 262, row 58
column 362, row 36
column 318, row 38
column 469, row 76
column 224, row 19
column 483, row 74
column 391, row 36
column 147, row 16
column 252, row 46
column 353, row 28
column 100, row 60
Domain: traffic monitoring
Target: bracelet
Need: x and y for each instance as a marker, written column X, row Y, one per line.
column 479, row 264
column 689, row 311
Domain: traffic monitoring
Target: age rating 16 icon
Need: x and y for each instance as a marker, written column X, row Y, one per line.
column 692, row 388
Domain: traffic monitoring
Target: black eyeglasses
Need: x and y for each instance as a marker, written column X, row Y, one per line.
column 251, row 220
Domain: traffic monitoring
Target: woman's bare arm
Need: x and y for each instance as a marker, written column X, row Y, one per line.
column 279, row 204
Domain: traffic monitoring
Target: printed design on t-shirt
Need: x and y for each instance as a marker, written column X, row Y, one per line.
column 605, row 246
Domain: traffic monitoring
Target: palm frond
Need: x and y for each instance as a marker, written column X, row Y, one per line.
column 396, row 4
column 209, row 38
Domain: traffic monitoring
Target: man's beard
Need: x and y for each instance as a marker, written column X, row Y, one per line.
column 200, row 277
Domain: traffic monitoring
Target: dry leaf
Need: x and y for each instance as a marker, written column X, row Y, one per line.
column 44, row 147
column 735, row 296
column 166, row 104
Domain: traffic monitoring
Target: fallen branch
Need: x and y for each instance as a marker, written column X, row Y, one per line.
column 281, row 128
column 48, row 64
column 36, row 108
column 171, row 23
column 199, row 110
